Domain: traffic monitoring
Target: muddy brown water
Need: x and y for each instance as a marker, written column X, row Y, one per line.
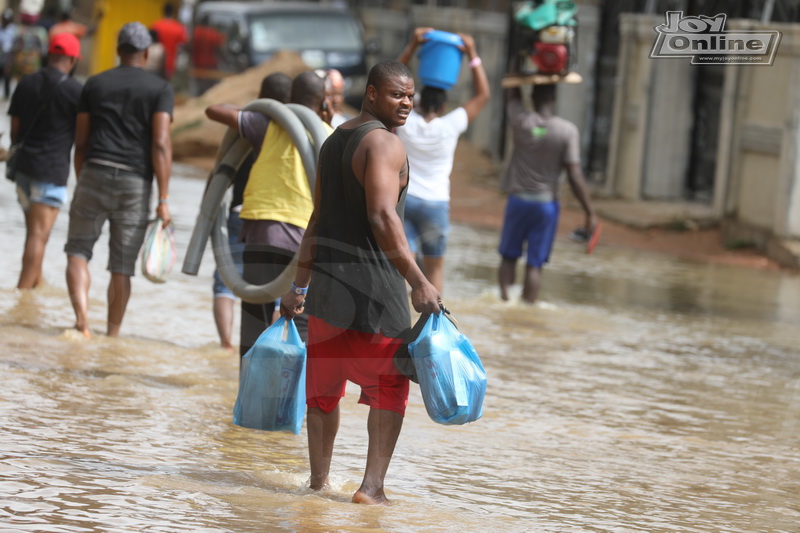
column 642, row 393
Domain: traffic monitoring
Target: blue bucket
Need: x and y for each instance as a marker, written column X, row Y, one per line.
column 440, row 59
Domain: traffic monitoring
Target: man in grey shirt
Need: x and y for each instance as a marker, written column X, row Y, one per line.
column 544, row 145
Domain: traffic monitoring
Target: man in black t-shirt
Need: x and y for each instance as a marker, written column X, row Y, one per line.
column 43, row 110
column 121, row 140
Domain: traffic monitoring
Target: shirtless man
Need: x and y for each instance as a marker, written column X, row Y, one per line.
column 353, row 265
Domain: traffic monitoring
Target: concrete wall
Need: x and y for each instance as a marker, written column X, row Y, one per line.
column 763, row 153
column 652, row 120
column 757, row 177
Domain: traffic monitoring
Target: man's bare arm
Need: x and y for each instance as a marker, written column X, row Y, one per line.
column 480, row 83
column 15, row 127
column 83, row 127
column 578, row 185
column 161, row 157
column 227, row 114
column 416, row 41
column 292, row 303
column 385, row 162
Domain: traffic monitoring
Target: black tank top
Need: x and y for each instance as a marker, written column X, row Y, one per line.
column 353, row 286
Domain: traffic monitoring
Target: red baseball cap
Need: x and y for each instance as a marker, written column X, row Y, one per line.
column 65, row 44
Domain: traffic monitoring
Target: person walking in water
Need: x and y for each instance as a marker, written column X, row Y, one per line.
column 354, row 263
column 276, row 202
column 276, row 86
column 43, row 112
column 430, row 137
column 544, row 146
column 121, row 140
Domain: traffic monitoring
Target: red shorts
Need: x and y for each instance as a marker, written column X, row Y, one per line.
column 336, row 356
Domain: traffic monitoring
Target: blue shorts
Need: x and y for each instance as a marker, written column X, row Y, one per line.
column 31, row 191
column 237, row 248
column 531, row 221
column 427, row 224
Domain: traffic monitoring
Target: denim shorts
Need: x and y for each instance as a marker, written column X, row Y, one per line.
column 427, row 224
column 532, row 221
column 237, row 249
column 31, row 191
column 119, row 196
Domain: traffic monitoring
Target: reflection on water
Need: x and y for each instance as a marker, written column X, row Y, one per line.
column 641, row 394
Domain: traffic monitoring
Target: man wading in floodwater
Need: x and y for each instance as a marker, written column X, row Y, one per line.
column 353, row 265
column 121, row 141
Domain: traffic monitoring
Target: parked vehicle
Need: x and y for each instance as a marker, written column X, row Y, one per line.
column 229, row 37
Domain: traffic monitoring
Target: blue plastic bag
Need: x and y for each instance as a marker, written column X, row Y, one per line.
column 272, row 381
column 451, row 376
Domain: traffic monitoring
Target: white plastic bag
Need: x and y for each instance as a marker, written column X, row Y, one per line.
column 158, row 253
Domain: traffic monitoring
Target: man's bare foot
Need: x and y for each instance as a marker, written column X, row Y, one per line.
column 84, row 331
column 375, row 499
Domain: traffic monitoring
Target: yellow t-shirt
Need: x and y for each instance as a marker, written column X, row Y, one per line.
column 277, row 188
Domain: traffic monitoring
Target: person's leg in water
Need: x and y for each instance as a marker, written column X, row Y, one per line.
column 223, row 318
column 78, row 283
column 224, row 299
column 89, row 211
column 512, row 238
column 41, row 202
column 119, row 293
column 39, row 220
column 322, row 428
column 383, row 427
column 506, row 276
column 540, row 243
column 533, row 280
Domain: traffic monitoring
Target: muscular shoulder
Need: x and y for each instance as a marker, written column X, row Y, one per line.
column 384, row 144
column 379, row 149
column 381, row 139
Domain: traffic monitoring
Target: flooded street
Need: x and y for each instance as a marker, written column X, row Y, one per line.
column 642, row 393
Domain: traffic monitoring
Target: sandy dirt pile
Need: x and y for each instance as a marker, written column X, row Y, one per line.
column 195, row 138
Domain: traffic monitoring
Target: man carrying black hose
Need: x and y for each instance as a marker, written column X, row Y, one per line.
column 276, row 204
column 275, row 86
